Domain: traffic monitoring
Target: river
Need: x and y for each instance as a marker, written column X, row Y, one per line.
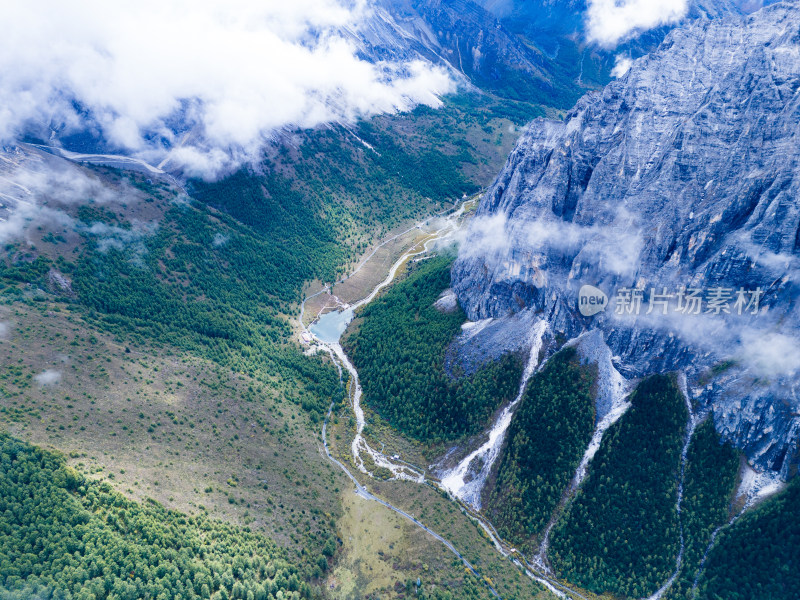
column 326, row 330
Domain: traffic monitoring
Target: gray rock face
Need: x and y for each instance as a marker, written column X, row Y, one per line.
column 472, row 43
column 685, row 173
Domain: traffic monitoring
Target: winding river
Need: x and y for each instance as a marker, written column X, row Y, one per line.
column 326, row 331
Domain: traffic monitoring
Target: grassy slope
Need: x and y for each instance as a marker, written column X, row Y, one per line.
column 546, row 439
column 76, row 538
column 620, row 533
column 177, row 377
column 167, row 425
column 442, row 515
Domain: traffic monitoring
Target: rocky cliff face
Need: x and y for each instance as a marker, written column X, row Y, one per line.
column 471, row 41
column 679, row 180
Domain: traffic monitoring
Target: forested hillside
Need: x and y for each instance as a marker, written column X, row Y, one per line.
column 398, row 349
column 220, row 271
column 206, row 285
column 547, row 437
column 710, row 481
column 759, row 555
column 63, row 536
column 620, row 533
column 329, row 190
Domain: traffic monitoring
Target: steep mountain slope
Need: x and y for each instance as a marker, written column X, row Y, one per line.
column 146, row 327
column 457, row 39
column 546, row 441
column 755, row 557
column 561, row 29
column 682, row 174
column 621, row 532
column 399, row 349
column 484, row 53
column 556, row 18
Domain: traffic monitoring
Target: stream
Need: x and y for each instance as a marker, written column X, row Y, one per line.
column 691, row 425
column 753, row 488
column 326, row 331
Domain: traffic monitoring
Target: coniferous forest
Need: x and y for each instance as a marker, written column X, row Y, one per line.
column 708, row 490
column 759, row 555
column 546, row 440
column 621, row 532
column 399, row 349
column 63, row 536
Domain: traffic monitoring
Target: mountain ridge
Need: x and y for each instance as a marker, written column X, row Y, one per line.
column 654, row 183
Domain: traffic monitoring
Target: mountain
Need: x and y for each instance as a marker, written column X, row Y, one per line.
column 154, row 325
column 482, row 51
column 534, row 52
column 564, row 17
column 681, row 174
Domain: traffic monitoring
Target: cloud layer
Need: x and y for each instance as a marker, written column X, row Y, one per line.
column 610, row 21
column 235, row 71
column 36, row 191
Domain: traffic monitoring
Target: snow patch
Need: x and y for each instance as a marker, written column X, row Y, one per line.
column 472, row 328
column 612, row 394
column 610, row 404
column 756, row 486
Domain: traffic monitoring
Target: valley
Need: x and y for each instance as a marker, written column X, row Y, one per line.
column 693, row 513
column 291, row 301
column 150, row 344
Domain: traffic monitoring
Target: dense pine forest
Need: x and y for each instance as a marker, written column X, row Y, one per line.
column 620, row 533
column 708, row 488
column 759, row 555
column 398, row 349
column 547, row 437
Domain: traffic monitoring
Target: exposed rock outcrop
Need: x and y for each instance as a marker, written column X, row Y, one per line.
column 685, row 173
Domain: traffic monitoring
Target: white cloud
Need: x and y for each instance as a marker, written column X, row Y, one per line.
column 36, row 189
column 48, row 377
column 486, row 235
column 756, row 343
column 770, row 353
column 614, row 247
column 609, row 21
column 622, row 65
column 237, row 70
